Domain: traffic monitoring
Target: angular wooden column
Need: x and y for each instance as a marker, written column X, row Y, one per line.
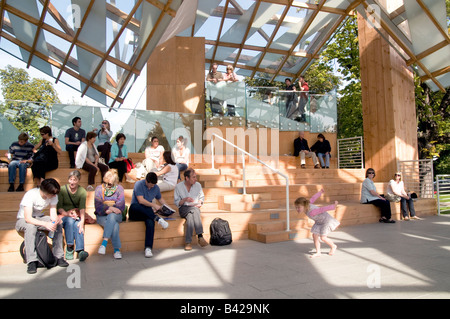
column 176, row 76
column 388, row 102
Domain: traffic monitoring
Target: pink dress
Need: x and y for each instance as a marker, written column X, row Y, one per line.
column 324, row 223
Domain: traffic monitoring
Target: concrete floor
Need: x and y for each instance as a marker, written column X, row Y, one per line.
column 404, row 260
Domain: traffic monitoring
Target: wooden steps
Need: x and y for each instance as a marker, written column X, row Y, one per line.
column 260, row 214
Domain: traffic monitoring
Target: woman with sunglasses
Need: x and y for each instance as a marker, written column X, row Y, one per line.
column 104, row 140
column 369, row 195
column 109, row 205
column 396, row 189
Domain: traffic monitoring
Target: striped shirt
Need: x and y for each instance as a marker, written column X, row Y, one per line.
column 21, row 152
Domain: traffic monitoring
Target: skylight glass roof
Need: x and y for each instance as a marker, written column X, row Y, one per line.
column 100, row 47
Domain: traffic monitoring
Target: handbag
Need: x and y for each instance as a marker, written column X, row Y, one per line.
column 87, row 218
column 393, row 198
column 42, row 154
column 130, row 164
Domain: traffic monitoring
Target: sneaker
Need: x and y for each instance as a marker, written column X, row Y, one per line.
column 202, row 242
column 82, row 255
column 62, row 263
column 90, row 188
column 32, row 267
column 303, row 166
column 20, row 188
column 69, row 254
column 148, row 252
column 163, row 223
column 316, row 166
column 102, row 250
column 11, row 188
column 118, row 255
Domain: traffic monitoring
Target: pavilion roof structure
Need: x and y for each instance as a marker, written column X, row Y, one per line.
column 100, row 47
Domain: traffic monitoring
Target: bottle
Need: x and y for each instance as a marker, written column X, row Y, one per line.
column 51, row 234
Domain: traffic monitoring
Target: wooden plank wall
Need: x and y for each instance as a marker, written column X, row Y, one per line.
column 389, row 117
column 176, row 76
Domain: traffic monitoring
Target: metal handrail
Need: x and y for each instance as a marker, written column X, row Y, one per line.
column 446, row 190
column 243, row 152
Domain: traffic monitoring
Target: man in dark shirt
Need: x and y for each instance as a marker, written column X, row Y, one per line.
column 73, row 138
column 301, row 148
column 291, row 98
column 20, row 153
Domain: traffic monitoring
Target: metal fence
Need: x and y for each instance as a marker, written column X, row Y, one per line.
column 442, row 188
column 417, row 175
column 350, row 152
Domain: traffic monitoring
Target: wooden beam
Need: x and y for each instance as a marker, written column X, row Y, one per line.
column 443, row 32
column 277, row 27
column 58, row 65
column 75, row 38
column 298, row 39
column 38, row 31
column 112, row 45
column 244, row 38
column 164, row 12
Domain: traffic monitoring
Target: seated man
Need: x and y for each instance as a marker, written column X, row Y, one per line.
column 189, row 198
column 142, row 208
column 31, row 217
column 20, row 153
column 301, row 147
column 73, row 138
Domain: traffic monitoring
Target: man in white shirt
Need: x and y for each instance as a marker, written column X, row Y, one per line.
column 30, row 219
column 189, row 197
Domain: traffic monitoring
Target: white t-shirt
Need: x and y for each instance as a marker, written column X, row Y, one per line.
column 181, row 157
column 395, row 188
column 154, row 153
column 33, row 199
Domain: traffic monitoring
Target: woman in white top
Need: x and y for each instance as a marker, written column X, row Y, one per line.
column 169, row 173
column 369, row 195
column 397, row 188
column 87, row 159
column 181, row 154
column 153, row 155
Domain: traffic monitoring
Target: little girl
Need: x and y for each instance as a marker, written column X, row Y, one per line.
column 324, row 222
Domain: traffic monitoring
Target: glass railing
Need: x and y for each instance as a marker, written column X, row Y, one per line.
column 235, row 104
column 137, row 125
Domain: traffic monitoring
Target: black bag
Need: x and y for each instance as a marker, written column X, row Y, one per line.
column 43, row 251
column 220, row 232
column 42, row 154
column 165, row 211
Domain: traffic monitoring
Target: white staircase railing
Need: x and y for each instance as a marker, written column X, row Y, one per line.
column 243, row 152
column 443, row 193
column 350, row 152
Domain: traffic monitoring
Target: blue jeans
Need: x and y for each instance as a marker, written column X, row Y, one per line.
column 327, row 159
column 181, row 167
column 12, row 167
column 405, row 204
column 72, row 234
column 111, row 228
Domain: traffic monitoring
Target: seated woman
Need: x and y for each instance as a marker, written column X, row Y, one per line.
column 87, row 159
column 181, row 154
column 45, row 158
column 104, row 138
column 119, row 154
column 369, row 195
column 109, row 205
column 169, row 173
column 153, row 155
column 396, row 189
column 71, row 207
column 322, row 148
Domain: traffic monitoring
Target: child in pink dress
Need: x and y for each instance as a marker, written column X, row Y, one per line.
column 324, row 223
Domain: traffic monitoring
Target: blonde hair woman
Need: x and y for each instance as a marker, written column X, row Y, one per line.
column 230, row 76
column 109, row 205
column 396, row 190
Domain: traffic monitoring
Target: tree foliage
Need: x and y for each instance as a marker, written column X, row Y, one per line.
column 27, row 100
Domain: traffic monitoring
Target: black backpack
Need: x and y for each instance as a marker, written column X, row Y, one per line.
column 43, row 251
column 220, row 232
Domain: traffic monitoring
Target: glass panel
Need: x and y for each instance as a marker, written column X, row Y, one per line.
column 262, row 107
column 225, row 99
